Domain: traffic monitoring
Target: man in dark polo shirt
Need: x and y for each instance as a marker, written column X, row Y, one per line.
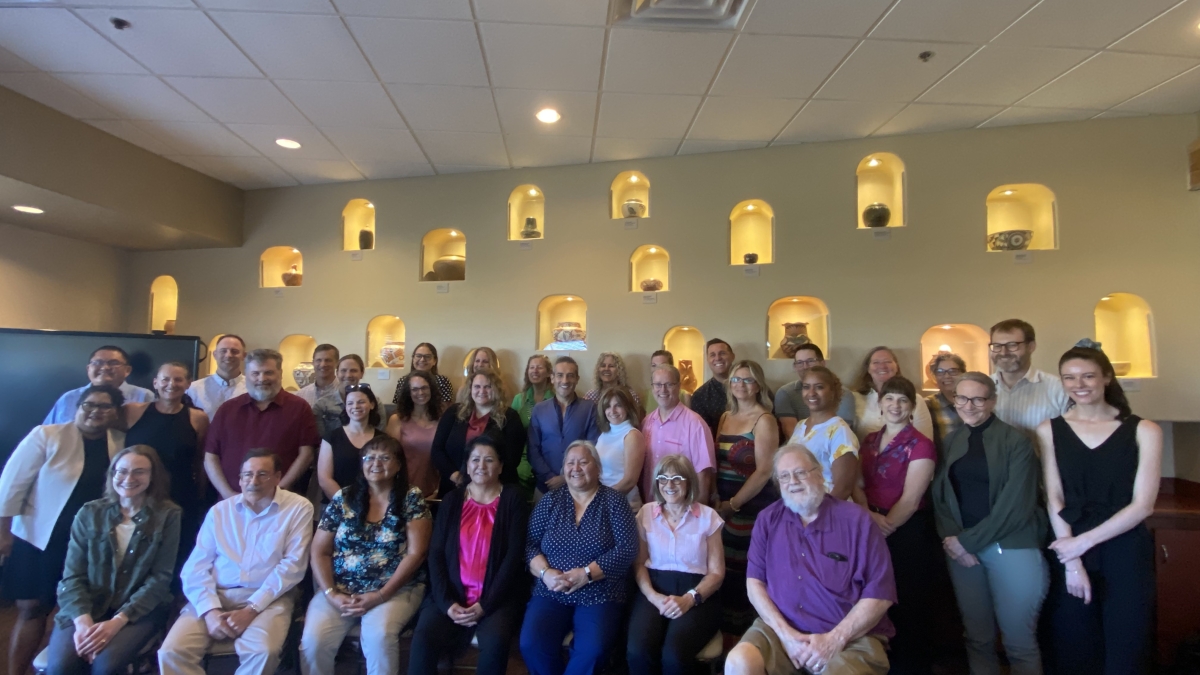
column 265, row 416
column 820, row 575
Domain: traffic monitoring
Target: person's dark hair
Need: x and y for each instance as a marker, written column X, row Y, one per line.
column 663, row 352
column 235, row 337
column 159, row 491
column 407, row 406
column 863, row 383
column 434, row 370
column 811, row 347
column 1015, row 324
column 948, row 356
column 118, row 399
column 326, row 347
column 633, row 411
column 365, row 389
column 830, row 378
column 899, row 385
column 110, row 348
column 355, row 358
column 1114, row 393
column 178, row 364
column 716, row 341
column 358, row 495
column 255, row 453
column 567, row 359
column 485, row 440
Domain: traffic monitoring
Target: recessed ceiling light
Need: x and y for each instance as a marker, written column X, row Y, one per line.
column 795, row 299
column 685, row 328
column 633, row 179
column 453, row 233
column 569, row 298
column 749, row 207
column 1010, row 192
column 873, row 162
column 548, row 115
column 370, row 205
column 28, row 209
column 1105, row 299
column 946, row 327
column 533, row 193
column 287, row 143
column 945, row 348
column 295, row 250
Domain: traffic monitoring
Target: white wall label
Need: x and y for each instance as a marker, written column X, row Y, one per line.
column 356, row 256
column 882, row 234
column 1130, row 385
column 1022, row 257
column 383, row 374
column 443, row 287
column 631, row 223
column 525, row 246
column 750, row 270
column 650, row 298
column 278, row 292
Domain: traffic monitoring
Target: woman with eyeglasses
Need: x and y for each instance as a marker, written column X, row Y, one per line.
column 538, row 387
column 679, row 568
column 485, row 411
column 878, row 367
column 367, row 555
column 50, row 475
column 115, row 595
column 747, row 438
column 425, row 358
column 339, row 461
column 414, row 424
column 945, row 369
column 985, row 500
column 826, row 435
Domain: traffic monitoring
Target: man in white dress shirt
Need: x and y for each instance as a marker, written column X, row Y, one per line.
column 1025, row 396
column 251, row 553
column 208, row 393
column 108, row 365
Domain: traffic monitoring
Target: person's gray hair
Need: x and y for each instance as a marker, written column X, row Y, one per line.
column 793, row 449
column 587, row 445
column 980, row 378
column 668, row 368
column 264, row 355
column 949, row 356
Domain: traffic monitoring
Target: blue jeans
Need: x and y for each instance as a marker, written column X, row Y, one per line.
column 111, row 660
column 547, row 623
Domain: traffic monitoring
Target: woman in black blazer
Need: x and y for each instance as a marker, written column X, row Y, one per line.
column 481, row 589
column 484, row 411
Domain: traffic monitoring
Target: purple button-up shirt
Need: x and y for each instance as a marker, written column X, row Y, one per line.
column 683, row 433
column 816, row 573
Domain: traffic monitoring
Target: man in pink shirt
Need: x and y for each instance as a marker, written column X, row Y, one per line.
column 673, row 429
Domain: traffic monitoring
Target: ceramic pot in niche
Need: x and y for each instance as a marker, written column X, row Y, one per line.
column 392, row 353
column 530, row 230
column 633, row 208
column 169, row 327
column 293, row 276
column 304, row 374
column 366, row 239
column 795, row 336
column 450, row 268
column 650, row 285
column 877, row 215
column 1122, row 368
column 687, row 376
column 569, row 331
column 1010, row 240
column 750, row 258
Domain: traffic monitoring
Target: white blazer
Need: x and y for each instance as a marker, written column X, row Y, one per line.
column 40, row 476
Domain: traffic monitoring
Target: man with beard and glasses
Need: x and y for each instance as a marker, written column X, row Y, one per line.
column 265, row 416
column 820, row 576
column 1025, row 396
column 208, row 393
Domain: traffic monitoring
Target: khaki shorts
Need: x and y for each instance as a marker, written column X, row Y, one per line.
column 865, row 656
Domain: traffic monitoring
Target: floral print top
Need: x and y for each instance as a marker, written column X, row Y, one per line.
column 884, row 470
column 366, row 555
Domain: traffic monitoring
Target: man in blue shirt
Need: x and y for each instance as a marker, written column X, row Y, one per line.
column 108, row 365
column 558, row 422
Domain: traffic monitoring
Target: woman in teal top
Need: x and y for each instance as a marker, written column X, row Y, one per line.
column 538, row 388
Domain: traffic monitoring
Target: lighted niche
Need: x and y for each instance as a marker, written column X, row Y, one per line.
column 297, row 351
column 280, row 266
column 964, row 339
column 444, row 256
column 630, row 195
column 1125, row 329
column 385, row 342
column 650, row 269
column 164, row 304
column 358, row 225
column 752, row 233
column 526, row 213
column 211, row 354
column 881, row 191
column 686, row 344
column 794, row 321
column 1023, row 216
column 562, row 323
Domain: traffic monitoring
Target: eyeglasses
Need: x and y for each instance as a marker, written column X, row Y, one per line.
column 106, row 364
column 362, row 386
column 797, row 476
column 807, row 363
column 673, row 480
column 998, row 347
column 136, row 473
column 377, row 459
column 947, row 371
column 422, row 357
column 250, row 475
column 748, row 381
column 93, row 407
column 976, row 401
column 419, row 390
column 664, row 385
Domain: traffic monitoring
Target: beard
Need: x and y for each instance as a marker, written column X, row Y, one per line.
column 804, row 504
column 1008, row 364
column 261, row 393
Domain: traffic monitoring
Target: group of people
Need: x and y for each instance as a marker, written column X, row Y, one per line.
column 807, row 524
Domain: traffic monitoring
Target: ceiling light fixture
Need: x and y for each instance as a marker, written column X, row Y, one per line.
column 945, row 348
column 633, row 179
column 653, row 250
column 287, row 143
column 749, row 207
column 795, row 299
column 295, row 250
column 548, row 115
column 28, row 209
column 533, row 193
column 569, row 298
column 370, row 205
column 685, row 328
column 946, row 327
column 453, row 233
column 873, row 162
column 1105, row 299
column 1010, row 192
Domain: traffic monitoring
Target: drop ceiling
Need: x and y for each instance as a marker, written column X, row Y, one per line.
column 394, row 88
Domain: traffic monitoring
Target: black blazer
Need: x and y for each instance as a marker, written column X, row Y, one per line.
column 450, row 441
column 505, row 580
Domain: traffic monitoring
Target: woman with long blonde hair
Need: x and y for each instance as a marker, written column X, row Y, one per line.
column 484, row 411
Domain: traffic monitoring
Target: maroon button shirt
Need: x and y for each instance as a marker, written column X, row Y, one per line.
column 239, row 426
column 816, row 573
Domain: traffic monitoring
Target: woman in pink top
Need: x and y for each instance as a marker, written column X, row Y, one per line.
column 679, row 568
column 414, row 423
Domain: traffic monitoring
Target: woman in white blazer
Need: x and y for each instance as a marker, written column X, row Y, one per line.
column 53, row 472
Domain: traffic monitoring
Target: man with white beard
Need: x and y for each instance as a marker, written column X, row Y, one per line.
column 267, row 417
column 820, row 576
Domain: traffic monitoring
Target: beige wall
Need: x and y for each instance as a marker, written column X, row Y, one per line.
column 1127, row 223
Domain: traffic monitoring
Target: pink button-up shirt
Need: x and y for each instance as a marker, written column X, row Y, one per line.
column 684, row 549
column 683, row 433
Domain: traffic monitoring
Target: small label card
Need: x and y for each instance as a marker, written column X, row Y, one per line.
column 526, row 246
column 1131, row 384
column 383, row 374
column 356, row 256
column 443, row 287
column 278, row 292
column 650, row 298
column 750, row 271
column 631, row 223
column 882, row 234
column 1022, row 257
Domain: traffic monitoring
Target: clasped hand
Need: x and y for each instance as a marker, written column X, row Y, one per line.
column 465, row 616
column 565, row 582
column 812, row 651
column 956, row 551
column 91, row 638
column 355, row 605
column 673, row 606
column 228, row 625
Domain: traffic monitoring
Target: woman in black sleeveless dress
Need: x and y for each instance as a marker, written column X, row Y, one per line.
column 1102, row 465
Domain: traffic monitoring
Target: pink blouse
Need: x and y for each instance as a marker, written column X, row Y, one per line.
column 474, row 543
column 684, row 549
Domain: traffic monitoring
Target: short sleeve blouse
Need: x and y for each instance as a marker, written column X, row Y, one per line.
column 884, row 470
column 828, row 440
column 684, row 549
column 365, row 554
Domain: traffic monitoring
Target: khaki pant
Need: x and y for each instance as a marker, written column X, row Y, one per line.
column 258, row 647
column 325, row 628
column 865, row 656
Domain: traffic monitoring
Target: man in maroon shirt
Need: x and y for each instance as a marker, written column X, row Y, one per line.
column 264, row 417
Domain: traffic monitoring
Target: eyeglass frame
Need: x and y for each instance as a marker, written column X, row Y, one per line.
column 962, row 401
column 797, row 476
column 1006, row 347
column 676, row 479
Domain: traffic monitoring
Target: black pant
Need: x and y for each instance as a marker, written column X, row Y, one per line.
column 436, row 635
column 1110, row 635
column 916, row 555
column 669, row 646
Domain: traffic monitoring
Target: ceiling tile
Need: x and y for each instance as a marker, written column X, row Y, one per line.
column 357, row 143
column 464, row 168
column 239, row 101
column 447, row 147
column 129, row 131
column 297, row 46
column 343, row 103
column 577, row 12
column 779, row 65
column 522, row 56
column 301, row 6
column 48, row 91
column 920, row 118
column 1002, row 75
column 248, row 173
column 646, row 116
column 836, row 120
column 410, row 51
column 1108, row 79
column 184, row 4
column 1175, row 32
column 1081, row 23
column 890, row 71
column 375, row 170
column 174, row 42
column 1014, row 116
column 195, row 138
column 436, row 108
column 537, row 150
column 950, row 20
column 1116, row 114
column 1176, row 96
column 662, row 62
column 54, row 40
column 11, row 63
column 136, row 97
column 317, row 171
column 695, row 147
column 313, row 145
column 815, row 17
column 615, row 149
column 742, row 118
column 409, row 9
column 518, row 108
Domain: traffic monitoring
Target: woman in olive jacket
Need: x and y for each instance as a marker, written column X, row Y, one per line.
column 985, row 498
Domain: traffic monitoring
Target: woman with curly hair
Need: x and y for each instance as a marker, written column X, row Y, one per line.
column 484, row 411
column 610, row 372
column 414, row 424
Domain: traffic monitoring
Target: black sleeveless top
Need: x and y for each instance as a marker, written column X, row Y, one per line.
column 347, row 457
column 175, row 440
column 1096, row 482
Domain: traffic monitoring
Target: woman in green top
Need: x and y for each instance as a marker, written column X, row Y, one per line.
column 538, row 388
column 112, row 601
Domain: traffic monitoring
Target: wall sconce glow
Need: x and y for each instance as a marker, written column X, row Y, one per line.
column 287, row 143
column 28, row 209
column 873, row 162
column 548, row 115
